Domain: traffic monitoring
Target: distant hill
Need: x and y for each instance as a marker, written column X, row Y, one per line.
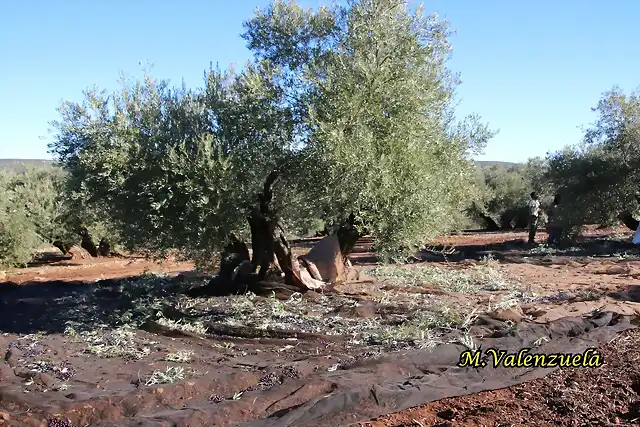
column 489, row 163
column 18, row 165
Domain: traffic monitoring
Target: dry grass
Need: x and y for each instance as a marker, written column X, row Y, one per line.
column 403, row 319
column 109, row 342
column 481, row 277
column 180, row 356
column 170, row 375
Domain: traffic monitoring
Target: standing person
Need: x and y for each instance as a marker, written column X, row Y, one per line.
column 534, row 212
column 553, row 226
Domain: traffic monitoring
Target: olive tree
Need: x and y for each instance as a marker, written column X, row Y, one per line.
column 181, row 169
column 505, row 193
column 344, row 114
column 386, row 155
column 599, row 178
column 32, row 214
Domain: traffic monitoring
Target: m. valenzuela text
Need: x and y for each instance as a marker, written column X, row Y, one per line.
column 524, row 358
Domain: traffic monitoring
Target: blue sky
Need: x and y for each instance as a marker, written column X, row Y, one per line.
column 533, row 70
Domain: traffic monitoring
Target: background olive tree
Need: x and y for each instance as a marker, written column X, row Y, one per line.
column 36, row 212
column 503, row 192
column 176, row 168
column 598, row 179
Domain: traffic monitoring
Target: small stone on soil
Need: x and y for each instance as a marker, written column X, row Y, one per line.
column 447, row 414
column 12, row 356
column 45, row 380
column 23, row 373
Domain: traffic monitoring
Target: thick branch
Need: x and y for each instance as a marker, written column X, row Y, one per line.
column 87, row 242
column 268, row 239
column 490, row 223
column 348, row 235
column 234, row 253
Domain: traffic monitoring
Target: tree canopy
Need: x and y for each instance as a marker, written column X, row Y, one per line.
column 343, row 118
column 352, row 106
column 599, row 178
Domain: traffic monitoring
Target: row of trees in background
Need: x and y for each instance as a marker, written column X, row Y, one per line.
column 36, row 211
column 344, row 118
column 598, row 179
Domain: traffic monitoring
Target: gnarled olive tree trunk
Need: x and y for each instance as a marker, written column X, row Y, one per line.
column 627, row 218
column 490, row 223
column 87, row 242
column 64, row 247
column 271, row 251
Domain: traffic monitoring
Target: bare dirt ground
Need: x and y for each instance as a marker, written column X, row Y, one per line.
column 114, row 342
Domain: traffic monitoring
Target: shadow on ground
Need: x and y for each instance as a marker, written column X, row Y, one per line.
column 629, row 293
column 521, row 251
column 50, row 306
column 49, row 257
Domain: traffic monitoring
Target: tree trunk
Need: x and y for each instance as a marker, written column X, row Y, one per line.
column 64, row 248
column 348, row 236
column 490, row 223
column 87, row 242
column 628, row 220
column 104, row 247
column 322, row 233
column 234, row 254
column 271, row 251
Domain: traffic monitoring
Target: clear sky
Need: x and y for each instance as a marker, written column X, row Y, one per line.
column 533, row 70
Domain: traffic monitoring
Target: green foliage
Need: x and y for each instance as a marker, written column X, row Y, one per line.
column 351, row 105
column 381, row 143
column 503, row 192
column 598, row 178
column 36, row 210
column 30, row 213
column 176, row 168
column 506, row 189
column 18, row 241
column 17, row 237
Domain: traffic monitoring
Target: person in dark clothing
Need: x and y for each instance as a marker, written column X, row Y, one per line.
column 534, row 213
column 553, row 226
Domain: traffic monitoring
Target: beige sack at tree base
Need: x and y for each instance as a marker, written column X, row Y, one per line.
column 328, row 260
column 322, row 266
